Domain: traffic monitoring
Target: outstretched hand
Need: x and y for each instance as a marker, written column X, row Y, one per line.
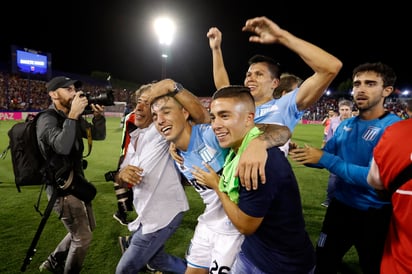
column 306, row 155
column 265, row 31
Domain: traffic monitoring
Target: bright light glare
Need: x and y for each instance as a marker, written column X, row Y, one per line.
column 165, row 29
column 405, row 92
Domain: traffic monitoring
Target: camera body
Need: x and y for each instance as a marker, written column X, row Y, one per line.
column 109, row 176
column 105, row 98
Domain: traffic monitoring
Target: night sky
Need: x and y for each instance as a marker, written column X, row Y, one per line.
column 118, row 36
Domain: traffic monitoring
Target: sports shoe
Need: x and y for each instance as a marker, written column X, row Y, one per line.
column 52, row 265
column 121, row 218
column 151, row 270
column 325, row 203
column 124, row 243
column 48, row 266
column 45, row 266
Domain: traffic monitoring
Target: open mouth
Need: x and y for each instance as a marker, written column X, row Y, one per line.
column 166, row 130
column 221, row 135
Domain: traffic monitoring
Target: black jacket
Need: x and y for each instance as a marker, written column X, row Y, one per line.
column 61, row 144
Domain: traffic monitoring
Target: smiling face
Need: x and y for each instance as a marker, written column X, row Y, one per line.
column 143, row 117
column 260, row 82
column 231, row 120
column 170, row 118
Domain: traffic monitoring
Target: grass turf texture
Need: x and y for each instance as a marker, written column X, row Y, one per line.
column 19, row 221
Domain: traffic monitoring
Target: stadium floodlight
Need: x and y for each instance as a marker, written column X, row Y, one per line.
column 165, row 30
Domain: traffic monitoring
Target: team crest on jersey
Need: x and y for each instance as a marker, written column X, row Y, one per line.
column 206, row 153
column 371, row 133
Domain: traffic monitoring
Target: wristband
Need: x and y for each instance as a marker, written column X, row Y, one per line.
column 177, row 89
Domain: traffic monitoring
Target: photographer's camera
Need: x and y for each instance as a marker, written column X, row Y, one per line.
column 109, row 176
column 105, row 98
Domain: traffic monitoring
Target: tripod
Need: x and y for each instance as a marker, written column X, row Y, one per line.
column 32, row 249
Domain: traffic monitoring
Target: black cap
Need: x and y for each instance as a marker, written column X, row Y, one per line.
column 62, row 82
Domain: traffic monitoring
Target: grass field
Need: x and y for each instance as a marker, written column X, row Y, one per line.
column 19, row 221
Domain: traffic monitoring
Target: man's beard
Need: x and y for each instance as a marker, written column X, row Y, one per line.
column 67, row 104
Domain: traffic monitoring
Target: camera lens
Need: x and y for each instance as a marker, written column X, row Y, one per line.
column 105, row 98
column 110, row 176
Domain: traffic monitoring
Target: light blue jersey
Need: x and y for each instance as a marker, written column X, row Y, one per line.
column 348, row 155
column 204, row 147
column 282, row 111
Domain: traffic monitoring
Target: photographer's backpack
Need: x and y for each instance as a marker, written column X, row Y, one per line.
column 27, row 160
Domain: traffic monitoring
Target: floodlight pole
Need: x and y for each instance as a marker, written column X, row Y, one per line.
column 164, row 57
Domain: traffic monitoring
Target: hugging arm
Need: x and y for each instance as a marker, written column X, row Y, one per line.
column 252, row 162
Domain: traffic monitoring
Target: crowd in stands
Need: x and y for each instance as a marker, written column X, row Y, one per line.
column 320, row 110
column 18, row 93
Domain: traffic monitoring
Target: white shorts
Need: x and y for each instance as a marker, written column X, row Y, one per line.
column 212, row 250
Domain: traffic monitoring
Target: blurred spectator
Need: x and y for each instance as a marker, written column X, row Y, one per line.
column 287, row 83
column 326, row 124
column 345, row 112
column 408, row 108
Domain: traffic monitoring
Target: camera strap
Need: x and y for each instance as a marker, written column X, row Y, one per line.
column 89, row 140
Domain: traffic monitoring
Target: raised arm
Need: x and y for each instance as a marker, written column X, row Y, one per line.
column 188, row 100
column 325, row 66
column 220, row 75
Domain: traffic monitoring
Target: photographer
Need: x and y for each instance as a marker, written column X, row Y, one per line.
column 60, row 140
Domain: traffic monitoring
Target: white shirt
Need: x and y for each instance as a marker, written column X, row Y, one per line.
column 160, row 196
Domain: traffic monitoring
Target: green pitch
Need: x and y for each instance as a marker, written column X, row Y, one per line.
column 19, row 220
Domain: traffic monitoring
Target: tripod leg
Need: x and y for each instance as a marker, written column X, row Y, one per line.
column 32, row 249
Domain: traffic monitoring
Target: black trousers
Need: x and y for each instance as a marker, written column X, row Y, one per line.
column 344, row 227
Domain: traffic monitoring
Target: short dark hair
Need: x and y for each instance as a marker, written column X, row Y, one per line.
column 274, row 66
column 386, row 72
column 241, row 93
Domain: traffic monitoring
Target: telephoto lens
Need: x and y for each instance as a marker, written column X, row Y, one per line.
column 105, row 98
